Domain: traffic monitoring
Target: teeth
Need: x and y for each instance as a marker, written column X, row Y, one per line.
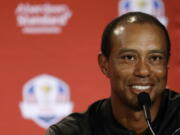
column 140, row 87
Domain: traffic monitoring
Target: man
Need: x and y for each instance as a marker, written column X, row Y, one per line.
column 134, row 57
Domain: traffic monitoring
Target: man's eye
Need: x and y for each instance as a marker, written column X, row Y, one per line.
column 156, row 58
column 128, row 57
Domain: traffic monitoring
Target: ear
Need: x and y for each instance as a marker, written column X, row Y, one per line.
column 103, row 64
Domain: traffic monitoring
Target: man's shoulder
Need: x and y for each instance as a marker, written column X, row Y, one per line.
column 76, row 123
column 173, row 97
column 69, row 125
column 171, row 119
column 173, row 105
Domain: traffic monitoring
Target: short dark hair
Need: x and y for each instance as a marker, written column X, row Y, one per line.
column 124, row 19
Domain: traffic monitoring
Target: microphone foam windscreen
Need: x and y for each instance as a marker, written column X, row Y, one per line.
column 144, row 99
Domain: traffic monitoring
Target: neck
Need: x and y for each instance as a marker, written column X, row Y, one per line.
column 133, row 119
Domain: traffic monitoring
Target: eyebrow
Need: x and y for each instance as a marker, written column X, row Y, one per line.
column 122, row 50
column 158, row 51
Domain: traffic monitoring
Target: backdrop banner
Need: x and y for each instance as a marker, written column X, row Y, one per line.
column 48, row 57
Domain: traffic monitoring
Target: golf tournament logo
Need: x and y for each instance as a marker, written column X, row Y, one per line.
column 153, row 7
column 46, row 100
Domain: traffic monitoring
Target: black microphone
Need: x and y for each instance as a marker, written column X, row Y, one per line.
column 145, row 103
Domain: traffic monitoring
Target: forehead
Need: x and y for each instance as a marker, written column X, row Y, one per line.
column 139, row 36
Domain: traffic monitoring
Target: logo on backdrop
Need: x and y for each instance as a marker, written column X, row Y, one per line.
column 42, row 18
column 153, row 7
column 46, row 100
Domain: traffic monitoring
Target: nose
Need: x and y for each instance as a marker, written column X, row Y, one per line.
column 142, row 69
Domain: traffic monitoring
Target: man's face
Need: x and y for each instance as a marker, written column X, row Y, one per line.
column 137, row 63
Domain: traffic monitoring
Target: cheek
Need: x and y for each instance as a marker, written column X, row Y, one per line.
column 121, row 70
column 119, row 76
column 160, row 75
column 160, row 72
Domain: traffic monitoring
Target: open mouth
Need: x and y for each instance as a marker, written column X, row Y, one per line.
column 140, row 88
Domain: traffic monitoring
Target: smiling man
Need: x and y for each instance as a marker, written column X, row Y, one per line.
column 134, row 57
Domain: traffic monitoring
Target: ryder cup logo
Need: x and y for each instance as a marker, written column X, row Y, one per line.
column 46, row 100
column 153, row 7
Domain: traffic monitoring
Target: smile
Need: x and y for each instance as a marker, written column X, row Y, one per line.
column 140, row 87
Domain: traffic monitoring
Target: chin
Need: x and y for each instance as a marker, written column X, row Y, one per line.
column 134, row 106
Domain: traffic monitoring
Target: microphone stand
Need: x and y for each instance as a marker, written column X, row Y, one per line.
column 148, row 118
column 145, row 102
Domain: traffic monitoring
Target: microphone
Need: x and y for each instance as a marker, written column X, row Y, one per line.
column 145, row 103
